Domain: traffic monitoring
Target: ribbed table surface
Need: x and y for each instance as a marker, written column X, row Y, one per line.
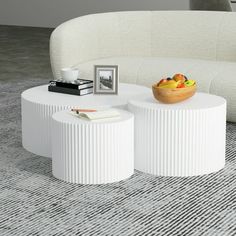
column 181, row 139
column 38, row 105
column 92, row 152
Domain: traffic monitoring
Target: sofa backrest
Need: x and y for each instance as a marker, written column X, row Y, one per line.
column 184, row 34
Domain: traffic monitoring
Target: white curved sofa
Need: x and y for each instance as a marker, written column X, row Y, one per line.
column 148, row 45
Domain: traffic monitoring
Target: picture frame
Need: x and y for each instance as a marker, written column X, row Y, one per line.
column 106, row 79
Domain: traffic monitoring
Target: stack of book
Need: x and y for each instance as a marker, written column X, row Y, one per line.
column 78, row 87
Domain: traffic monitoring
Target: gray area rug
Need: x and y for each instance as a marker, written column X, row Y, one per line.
column 33, row 202
column 210, row 5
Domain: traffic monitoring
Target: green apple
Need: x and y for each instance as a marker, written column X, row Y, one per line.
column 189, row 82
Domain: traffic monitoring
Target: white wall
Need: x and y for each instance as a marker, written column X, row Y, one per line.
column 50, row 13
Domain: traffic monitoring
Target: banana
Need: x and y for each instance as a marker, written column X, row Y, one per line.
column 169, row 84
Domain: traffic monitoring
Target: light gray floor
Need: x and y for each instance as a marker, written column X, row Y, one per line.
column 32, row 202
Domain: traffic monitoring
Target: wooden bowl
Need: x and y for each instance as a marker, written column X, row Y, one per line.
column 173, row 95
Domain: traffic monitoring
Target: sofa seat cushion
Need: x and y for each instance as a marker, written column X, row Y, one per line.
column 216, row 77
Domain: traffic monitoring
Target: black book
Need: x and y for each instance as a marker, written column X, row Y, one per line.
column 77, row 84
column 80, row 92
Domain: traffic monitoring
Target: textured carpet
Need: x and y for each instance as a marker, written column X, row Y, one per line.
column 210, row 5
column 33, row 202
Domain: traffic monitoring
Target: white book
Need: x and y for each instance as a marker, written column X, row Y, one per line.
column 100, row 115
column 86, row 91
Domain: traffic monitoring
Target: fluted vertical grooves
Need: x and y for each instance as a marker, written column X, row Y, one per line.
column 36, row 126
column 179, row 142
column 38, row 105
column 92, row 152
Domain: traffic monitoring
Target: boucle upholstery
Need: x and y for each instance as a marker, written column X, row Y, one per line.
column 150, row 44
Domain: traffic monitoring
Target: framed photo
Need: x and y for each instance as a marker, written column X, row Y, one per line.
column 106, row 79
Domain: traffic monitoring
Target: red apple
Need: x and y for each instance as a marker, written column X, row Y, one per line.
column 181, row 85
column 179, row 77
column 161, row 81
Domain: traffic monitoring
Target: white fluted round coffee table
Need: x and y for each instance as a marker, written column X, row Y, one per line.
column 92, row 152
column 182, row 139
column 38, row 105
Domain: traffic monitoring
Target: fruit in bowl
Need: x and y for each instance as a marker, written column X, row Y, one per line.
column 180, row 77
column 175, row 89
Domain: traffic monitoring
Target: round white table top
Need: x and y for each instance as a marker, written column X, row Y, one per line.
column 197, row 101
column 41, row 95
column 69, row 118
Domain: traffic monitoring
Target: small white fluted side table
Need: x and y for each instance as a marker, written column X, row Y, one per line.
column 182, row 139
column 92, row 152
column 38, row 105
